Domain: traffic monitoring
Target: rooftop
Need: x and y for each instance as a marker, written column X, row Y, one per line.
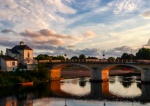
column 8, row 58
column 21, row 47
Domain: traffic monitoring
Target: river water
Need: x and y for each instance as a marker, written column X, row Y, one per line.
column 119, row 91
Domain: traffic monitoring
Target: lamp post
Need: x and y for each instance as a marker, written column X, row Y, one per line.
column 131, row 55
column 103, row 55
column 65, row 55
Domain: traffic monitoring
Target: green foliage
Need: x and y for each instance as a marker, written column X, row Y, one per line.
column 58, row 57
column 11, row 78
column 92, row 57
column 111, row 59
column 43, row 57
column 143, row 53
column 74, row 58
column 82, row 57
column 127, row 56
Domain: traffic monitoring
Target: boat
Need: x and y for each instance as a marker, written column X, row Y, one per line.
column 26, row 83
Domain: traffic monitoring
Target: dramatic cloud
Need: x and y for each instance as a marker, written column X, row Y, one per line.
column 46, row 36
column 146, row 15
column 35, row 14
column 75, row 26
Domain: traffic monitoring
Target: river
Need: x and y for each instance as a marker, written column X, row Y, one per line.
column 119, row 91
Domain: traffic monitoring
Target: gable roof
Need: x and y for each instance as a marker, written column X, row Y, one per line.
column 8, row 58
column 21, row 47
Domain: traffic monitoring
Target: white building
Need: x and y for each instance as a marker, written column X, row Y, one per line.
column 23, row 54
column 8, row 63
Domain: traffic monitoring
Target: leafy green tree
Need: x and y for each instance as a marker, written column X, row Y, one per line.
column 58, row 57
column 40, row 57
column 74, row 58
column 125, row 56
column 92, row 57
column 61, row 57
column 82, row 57
column 111, row 59
column 143, row 53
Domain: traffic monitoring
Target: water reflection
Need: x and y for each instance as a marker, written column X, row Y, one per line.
column 125, row 87
column 78, row 92
column 78, row 86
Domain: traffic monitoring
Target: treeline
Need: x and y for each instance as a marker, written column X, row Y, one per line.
column 47, row 57
column 41, row 74
column 143, row 53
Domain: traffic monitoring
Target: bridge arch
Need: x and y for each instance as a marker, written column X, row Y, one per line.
column 55, row 72
column 105, row 70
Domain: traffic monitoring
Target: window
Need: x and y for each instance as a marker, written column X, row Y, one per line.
column 28, row 55
column 13, row 63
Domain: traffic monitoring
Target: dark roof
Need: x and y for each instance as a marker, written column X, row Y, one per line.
column 8, row 58
column 14, row 51
column 21, row 47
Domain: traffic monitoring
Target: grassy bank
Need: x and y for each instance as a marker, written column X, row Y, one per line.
column 13, row 78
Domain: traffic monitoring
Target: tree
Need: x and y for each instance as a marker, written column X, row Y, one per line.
column 125, row 56
column 1, row 53
column 60, row 57
column 82, row 57
column 92, row 57
column 74, row 58
column 143, row 53
column 40, row 57
column 111, row 59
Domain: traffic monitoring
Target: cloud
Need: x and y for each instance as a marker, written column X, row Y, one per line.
column 148, row 43
column 118, row 51
column 7, row 31
column 29, row 14
column 92, row 52
column 89, row 52
column 7, row 42
column 47, row 36
column 89, row 34
column 126, row 6
column 146, row 15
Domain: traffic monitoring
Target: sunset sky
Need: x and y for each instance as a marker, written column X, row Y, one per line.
column 76, row 27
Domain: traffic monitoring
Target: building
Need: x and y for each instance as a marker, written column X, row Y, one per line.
column 8, row 63
column 23, row 54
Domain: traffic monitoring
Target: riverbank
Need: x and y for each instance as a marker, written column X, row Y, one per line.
column 17, row 77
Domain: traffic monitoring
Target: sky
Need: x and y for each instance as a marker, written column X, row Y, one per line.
column 74, row 27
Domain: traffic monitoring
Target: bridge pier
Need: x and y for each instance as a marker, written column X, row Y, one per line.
column 96, row 75
column 99, row 75
column 145, row 75
column 145, row 91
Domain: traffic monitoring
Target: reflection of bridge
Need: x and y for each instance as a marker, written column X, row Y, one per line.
column 100, row 91
column 99, row 71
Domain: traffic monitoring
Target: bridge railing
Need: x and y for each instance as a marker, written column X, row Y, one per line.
column 125, row 61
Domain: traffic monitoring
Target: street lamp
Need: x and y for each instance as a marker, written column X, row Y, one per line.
column 103, row 54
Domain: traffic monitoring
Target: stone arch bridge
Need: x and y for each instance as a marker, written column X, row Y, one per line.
column 99, row 71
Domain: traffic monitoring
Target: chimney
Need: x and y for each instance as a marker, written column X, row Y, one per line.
column 21, row 43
